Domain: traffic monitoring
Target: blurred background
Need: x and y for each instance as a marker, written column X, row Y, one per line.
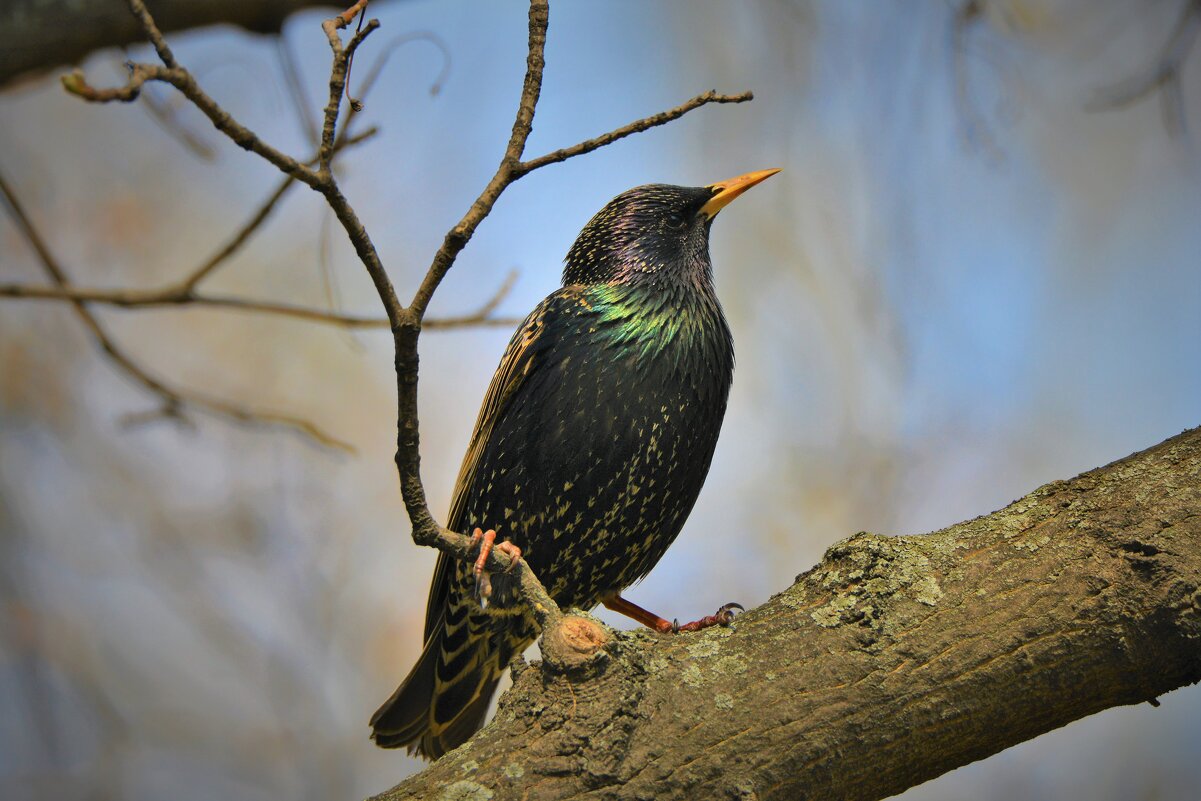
column 979, row 271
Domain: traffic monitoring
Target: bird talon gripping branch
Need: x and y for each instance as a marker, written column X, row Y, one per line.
column 593, row 442
column 486, row 540
column 723, row 617
column 728, row 612
column 513, row 552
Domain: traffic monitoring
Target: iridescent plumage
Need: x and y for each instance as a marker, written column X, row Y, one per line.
column 590, row 449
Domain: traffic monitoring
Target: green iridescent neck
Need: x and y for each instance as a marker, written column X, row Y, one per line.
column 650, row 318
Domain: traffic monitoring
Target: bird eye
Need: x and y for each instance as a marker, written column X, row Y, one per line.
column 676, row 220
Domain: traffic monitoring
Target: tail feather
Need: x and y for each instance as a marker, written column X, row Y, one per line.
column 445, row 697
column 404, row 717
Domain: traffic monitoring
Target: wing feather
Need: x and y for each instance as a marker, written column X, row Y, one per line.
column 515, row 366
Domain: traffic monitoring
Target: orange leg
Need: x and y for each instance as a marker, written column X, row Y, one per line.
column 723, row 617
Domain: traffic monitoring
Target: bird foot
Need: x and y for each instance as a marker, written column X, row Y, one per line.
column 723, row 616
column 487, row 541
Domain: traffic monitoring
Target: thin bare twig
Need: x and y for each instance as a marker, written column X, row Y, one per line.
column 355, row 104
column 337, row 81
column 153, row 33
column 164, row 115
column 508, row 171
column 417, row 36
column 181, row 79
column 240, row 237
column 182, row 296
column 176, row 296
column 243, row 234
column 327, row 184
column 662, row 118
column 321, row 179
column 75, row 83
column 291, row 70
column 174, row 402
column 408, row 453
column 324, row 265
column 346, row 17
column 483, row 315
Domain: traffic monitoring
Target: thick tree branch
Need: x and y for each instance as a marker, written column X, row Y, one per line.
column 894, row 660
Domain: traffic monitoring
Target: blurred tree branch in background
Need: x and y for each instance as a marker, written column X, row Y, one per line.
column 1162, row 76
column 176, row 403
column 37, row 35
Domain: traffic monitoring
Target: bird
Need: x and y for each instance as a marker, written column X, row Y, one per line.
column 589, row 451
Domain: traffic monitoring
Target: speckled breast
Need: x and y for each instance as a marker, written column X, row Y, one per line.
column 597, row 461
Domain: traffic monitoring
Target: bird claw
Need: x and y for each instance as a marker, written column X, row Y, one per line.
column 723, row 617
column 487, row 541
column 483, row 589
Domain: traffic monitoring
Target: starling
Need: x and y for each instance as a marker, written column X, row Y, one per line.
column 589, row 451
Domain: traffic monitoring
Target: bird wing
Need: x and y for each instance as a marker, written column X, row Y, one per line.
column 517, row 363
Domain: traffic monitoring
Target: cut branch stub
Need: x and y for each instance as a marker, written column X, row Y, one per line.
column 573, row 644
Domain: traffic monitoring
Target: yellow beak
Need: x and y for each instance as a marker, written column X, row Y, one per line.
column 725, row 191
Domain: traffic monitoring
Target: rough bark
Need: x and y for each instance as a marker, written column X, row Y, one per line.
column 894, row 660
column 36, row 35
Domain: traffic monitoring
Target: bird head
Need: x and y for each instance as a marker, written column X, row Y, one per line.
column 656, row 231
